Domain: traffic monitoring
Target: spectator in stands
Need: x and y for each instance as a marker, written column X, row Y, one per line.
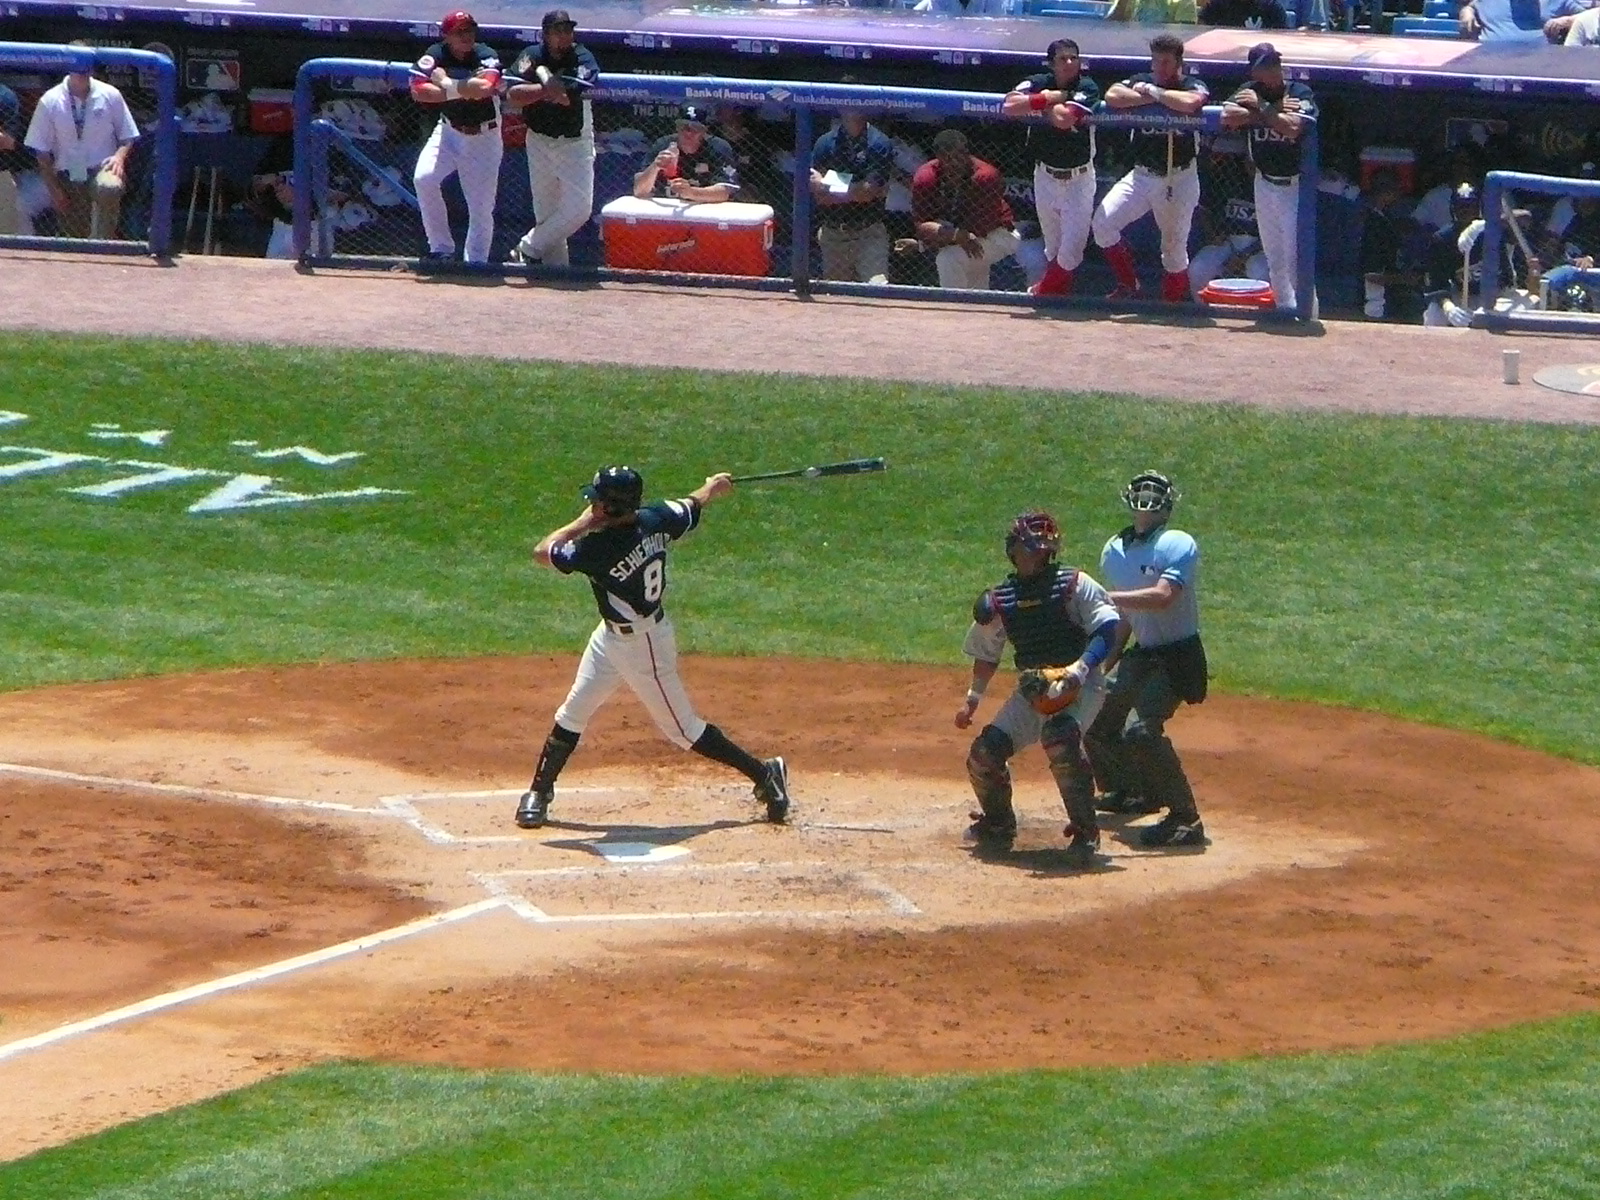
column 850, row 170
column 1153, row 12
column 1244, row 14
column 1509, row 20
column 1388, row 278
column 1581, row 29
column 690, row 164
column 14, row 158
column 959, row 205
column 1466, row 166
column 82, row 133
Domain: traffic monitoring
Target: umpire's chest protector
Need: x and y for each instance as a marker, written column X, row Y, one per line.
column 1038, row 619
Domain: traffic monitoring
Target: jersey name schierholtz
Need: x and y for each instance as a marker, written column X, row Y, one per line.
column 627, row 565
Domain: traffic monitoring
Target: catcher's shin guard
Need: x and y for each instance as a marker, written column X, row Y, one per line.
column 1069, row 766
column 991, row 782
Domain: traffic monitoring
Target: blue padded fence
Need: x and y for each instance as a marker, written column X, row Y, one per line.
column 163, row 134
column 1496, row 185
column 803, row 100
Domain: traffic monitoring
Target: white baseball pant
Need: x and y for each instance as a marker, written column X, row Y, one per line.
column 561, row 178
column 1209, row 262
column 647, row 661
column 1022, row 723
column 475, row 159
column 1172, row 198
column 1277, row 213
column 958, row 269
column 1066, row 210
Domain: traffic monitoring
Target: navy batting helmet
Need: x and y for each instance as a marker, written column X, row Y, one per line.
column 618, row 488
column 1150, row 491
column 1034, row 530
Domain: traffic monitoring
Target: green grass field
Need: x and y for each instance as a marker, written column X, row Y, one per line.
column 1432, row 569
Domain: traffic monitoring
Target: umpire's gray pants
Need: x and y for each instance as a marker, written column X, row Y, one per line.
column 1128, row 744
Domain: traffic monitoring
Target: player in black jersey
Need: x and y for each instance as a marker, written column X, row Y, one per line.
column 1053, row 616
column 620, row 545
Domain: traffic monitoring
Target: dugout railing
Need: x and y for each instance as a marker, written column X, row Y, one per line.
column 1503, row 194
column 149, row 83
column 357, row 135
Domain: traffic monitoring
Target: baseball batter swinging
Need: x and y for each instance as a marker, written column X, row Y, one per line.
column 1053, row 616
column 461, row 76
column 620, row 545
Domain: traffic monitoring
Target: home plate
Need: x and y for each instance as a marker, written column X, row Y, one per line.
column 637, row 852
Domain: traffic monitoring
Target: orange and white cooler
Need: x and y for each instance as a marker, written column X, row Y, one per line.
column 657, row 234
column 1238, row 293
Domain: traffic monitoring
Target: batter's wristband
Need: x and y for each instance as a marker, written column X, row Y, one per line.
column 1038, row 102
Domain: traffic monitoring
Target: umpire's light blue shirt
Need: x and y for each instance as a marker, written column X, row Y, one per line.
column 1139, row 563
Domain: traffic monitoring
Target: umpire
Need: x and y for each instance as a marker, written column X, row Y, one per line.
column 560, row 121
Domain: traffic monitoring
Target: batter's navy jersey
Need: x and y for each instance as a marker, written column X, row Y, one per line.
column 481, row 61
column 1150, row 144
column 1274, row 155
column 1061, row 148
column 1130, row 562
column 627, row 565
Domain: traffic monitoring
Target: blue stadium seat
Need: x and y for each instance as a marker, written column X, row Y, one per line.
column 1440, row 8
column 1089, row 9
column 1425, row 27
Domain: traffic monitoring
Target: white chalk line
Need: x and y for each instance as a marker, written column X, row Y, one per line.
column 183, row 789
column 245, row 978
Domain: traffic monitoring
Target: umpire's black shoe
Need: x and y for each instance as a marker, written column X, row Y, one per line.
column 1125, row 804
column 534, row 807
column 773, row 790
column 1174, row 830
column 991, row 834
column 1084, row 848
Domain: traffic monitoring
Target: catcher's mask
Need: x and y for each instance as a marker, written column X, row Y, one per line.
column 1150, row 491
column 1034, row 530
column 619, row 489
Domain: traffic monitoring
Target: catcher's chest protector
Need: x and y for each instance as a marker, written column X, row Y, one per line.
column 1037, row 616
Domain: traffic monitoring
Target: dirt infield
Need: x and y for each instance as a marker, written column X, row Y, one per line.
column 1368, row 880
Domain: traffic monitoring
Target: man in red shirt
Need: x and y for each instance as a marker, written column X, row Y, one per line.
column 958, row 204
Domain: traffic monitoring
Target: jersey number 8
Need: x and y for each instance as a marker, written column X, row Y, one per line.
column 655, row 579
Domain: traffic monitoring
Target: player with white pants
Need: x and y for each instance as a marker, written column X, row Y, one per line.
column 1063, row 154
column 560, row 144
column 620, row 545
column 461, row 77
column 1164, row 180
column 1274, row 112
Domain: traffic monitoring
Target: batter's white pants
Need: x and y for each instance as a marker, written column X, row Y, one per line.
column 1277, row 217
column 1066, row 209
column 475, row 158
column 647, row 661
column 958, row 269
column 1171, row 198
column 1209, row 262
column 561, row 177
column 1022, row 723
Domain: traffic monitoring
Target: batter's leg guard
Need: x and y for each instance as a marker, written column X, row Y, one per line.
column 1069, row 766
column 996, row 823
column 1120, row 259
column 713, row 744
column 533, row 809
column 1175, row 286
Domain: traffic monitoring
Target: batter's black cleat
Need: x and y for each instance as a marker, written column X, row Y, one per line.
column 1174, row 831
column 1125, row 804
column 534, row 807
column 773, row 791
column 991, row 834
column 1084, row 849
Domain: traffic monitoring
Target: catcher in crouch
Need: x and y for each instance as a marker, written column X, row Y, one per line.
column 1065, row 632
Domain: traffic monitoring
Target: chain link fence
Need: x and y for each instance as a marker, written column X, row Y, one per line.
column 135, row 217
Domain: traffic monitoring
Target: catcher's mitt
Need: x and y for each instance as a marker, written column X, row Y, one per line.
column 1049, row 689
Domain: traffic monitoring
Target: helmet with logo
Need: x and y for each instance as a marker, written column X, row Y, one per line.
column 1150, row 491
column 1034, row 530
column 620, row 489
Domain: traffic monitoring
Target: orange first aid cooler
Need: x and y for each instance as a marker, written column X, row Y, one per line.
column 675, row 235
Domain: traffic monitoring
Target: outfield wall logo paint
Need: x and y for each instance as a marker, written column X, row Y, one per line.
column 240, row 491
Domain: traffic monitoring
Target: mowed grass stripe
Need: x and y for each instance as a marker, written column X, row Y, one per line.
column 1513, row 1113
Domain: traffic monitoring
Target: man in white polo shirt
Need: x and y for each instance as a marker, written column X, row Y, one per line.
column 82, row 132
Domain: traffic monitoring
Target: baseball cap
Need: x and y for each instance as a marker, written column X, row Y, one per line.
column 557, row 18
column 457, row 19
column 1263, row 54
column 693, row 114
column 1465, row 193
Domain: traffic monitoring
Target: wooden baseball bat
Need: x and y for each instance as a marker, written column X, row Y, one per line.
column 854, row 466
